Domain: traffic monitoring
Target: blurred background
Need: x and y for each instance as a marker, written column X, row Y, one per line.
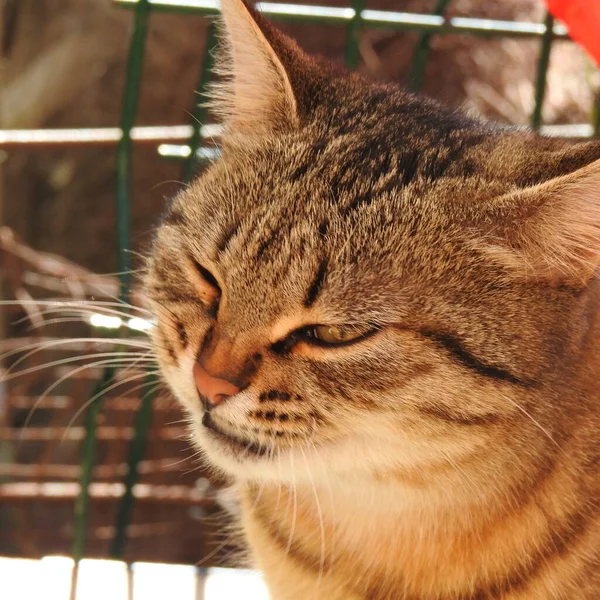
column 64, row 65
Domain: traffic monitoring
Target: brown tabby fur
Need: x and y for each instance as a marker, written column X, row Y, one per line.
column 453, row 453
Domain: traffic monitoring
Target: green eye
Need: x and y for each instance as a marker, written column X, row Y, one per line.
column 331, row 334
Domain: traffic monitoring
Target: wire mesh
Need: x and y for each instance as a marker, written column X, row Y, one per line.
column 355, row 17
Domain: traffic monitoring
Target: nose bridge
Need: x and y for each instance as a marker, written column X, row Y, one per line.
column 218, row 357
column 223, row 357
column 224, row 366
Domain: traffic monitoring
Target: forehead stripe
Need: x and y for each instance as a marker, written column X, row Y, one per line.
column 227, row 236
column 316, row 285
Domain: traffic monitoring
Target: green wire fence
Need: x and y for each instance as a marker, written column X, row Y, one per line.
column 355, row 17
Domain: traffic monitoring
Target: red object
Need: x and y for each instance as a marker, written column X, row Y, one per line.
column 582, row 19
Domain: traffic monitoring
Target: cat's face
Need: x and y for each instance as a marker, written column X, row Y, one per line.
column 355, row 286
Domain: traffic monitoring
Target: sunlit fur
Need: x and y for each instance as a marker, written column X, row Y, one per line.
column 452, row 453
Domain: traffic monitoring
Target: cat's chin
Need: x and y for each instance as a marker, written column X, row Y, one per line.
column 230, row 457
column 230, row 443
column 243, row 459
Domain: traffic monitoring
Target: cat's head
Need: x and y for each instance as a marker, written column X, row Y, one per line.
column 365, row 281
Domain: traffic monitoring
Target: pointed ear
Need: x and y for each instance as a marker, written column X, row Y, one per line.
column 256, row 96
column 550, row 231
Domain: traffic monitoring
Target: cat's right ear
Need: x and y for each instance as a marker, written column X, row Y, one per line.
column 550, row 231
column 255, row 96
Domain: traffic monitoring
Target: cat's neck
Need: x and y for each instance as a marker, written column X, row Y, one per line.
column 395, row 534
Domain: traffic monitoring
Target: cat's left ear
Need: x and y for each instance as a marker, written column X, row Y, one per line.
column 550, row 231
column 257, row 61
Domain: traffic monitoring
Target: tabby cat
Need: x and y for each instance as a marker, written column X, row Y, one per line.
column 382, row 317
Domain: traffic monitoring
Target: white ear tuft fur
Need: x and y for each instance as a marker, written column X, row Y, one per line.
column 551, row 231
column 256, row 96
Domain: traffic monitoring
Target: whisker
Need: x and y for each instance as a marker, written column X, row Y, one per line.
column 65, row 361
column 28, row 305
column 101, row 393
column 146, row 358
column 279, row 481
column 61, row 302
column 259, row 495
column 332, row 541
column 295, row 502
column 50, row 344
column 535, row 422
column 116, row 363
column 138, row 254
column 230, row 537
column 57, row 383
column 73, row 309
column 71, row 319
column 186, row 459
column 149, row 361
column 35, row 326
column 178, row 422
column 320, row 515
column 117, row 273
column 186, row 185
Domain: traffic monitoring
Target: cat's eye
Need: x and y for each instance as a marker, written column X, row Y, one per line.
column 334, row 335
column 206, row 285
column 207, row 275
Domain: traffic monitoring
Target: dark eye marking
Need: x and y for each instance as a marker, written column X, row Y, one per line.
column 166, row 344
column 317, row 283
column 456, row 349
column 285, row 345
column 181, row 332
column 213, row 309
column 206, row 284
column 206, row 275
column 207, row 339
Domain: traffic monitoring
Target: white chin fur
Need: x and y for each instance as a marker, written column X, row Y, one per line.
column 350, row 457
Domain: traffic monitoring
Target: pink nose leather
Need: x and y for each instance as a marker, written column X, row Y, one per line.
column 213, row 388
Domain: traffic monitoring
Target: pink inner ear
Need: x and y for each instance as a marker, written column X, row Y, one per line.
column 256, row 96
column 565, row 234
column 554, row 232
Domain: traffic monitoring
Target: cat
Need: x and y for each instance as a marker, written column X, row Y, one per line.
column 382, row 318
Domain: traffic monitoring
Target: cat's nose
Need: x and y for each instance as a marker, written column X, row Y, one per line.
column 214, row 389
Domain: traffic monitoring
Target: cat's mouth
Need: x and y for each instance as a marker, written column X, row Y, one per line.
column 234, row 443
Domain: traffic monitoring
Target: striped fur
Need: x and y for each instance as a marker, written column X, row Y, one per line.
column 451, row 453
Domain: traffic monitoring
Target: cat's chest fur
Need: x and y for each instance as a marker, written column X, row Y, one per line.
column 401, row 538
